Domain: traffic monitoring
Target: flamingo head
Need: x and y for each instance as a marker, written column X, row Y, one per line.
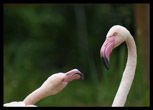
column 56, row 82
column 115, row 36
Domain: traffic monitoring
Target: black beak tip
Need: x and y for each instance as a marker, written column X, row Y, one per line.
column 81, row 75
column 106, row 63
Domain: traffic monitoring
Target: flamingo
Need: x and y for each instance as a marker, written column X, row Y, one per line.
column 115, row 36
column 53, row 85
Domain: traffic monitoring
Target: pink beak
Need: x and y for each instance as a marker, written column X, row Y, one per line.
column 106, row 49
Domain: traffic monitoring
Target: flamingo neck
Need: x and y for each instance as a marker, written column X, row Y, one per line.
column 34, row 97
column 128, row 74
column 49, row 87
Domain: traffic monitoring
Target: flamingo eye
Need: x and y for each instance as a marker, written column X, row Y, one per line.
column 115, row 34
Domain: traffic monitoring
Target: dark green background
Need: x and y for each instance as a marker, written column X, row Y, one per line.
column 40, row 40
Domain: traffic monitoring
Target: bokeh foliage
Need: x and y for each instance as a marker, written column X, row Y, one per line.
column 42, row 39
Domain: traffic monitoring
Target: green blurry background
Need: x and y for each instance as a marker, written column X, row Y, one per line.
column 42, row 39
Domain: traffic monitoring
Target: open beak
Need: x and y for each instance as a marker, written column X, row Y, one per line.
column 73, row 74
column 106, row 49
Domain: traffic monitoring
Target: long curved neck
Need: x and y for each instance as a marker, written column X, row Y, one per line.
column 128, row 74
column 49, row 87
column 34, row 97
column 46, row 89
